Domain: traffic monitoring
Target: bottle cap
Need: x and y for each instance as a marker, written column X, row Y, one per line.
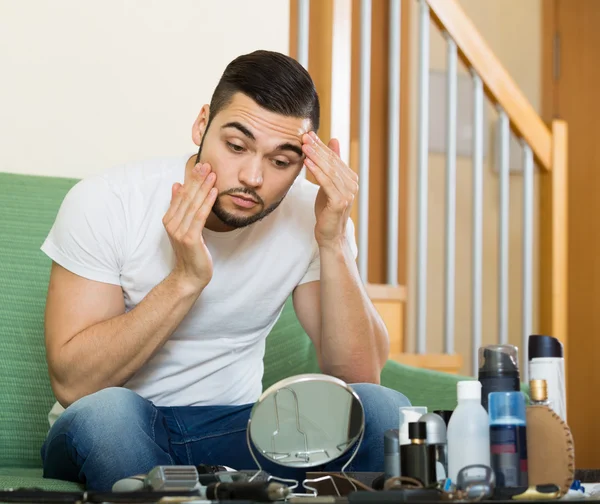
column 469, row 390
column 417, row 430
column 539, row 390
column 445, row 414
column 506, row 406
column 436, row 428
column 544, row 346
column 498, row 360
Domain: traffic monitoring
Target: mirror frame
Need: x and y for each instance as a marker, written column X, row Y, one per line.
column 302, row 378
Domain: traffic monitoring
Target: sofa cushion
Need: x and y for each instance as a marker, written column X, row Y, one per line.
column 32, row 478
column 289, row 351
column 29, row 206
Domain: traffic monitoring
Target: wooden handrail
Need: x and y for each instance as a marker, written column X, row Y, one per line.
column 499, row 85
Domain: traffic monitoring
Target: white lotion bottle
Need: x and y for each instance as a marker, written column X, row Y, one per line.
column 468, row 430
column 547, row 362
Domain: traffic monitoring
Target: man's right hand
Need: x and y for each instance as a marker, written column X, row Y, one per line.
column 191, row 205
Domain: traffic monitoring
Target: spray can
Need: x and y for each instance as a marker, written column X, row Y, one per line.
column 498, row 370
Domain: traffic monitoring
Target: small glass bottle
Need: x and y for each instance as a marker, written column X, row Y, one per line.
column 417, row 458
column 539, row 393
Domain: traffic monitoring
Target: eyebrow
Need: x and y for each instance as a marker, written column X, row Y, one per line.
column 240, row 127
column 291, row 147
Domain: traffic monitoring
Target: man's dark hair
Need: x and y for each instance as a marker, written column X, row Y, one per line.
column 274, row 81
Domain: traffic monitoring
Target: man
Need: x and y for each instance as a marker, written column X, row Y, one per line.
column 168, row 275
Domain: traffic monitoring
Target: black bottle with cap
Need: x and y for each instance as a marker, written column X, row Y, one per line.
column 418, row 458
column 498, row 370
column 445, row 414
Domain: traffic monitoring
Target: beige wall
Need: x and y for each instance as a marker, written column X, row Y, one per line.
column 86, row 85
column 512, row 28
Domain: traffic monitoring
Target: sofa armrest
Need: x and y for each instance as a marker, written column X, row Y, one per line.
column 423, row 387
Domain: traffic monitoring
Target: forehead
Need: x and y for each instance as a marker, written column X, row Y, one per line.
column 264, row 124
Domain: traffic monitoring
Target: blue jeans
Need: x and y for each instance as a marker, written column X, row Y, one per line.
column 115, row 433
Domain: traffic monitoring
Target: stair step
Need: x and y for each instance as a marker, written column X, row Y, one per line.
column 389, row 302
column 448, row 363
column 383, row 292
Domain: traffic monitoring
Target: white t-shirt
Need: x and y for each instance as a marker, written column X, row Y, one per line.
column 109, row 229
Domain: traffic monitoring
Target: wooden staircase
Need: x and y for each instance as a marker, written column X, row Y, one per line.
column 334, row 56
column 390, row 303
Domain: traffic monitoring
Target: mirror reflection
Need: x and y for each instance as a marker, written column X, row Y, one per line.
column 306, row 421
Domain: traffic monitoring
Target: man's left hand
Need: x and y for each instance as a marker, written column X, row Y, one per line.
column 338, row 188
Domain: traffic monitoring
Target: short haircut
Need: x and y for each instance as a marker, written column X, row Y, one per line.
column 274, row 81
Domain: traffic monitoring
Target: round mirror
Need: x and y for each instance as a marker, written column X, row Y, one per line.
column 306, row 420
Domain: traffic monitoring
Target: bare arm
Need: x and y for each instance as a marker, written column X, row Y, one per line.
column 351, row 339
column 91, row 342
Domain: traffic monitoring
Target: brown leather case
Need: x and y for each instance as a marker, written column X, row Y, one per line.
column 550, row 449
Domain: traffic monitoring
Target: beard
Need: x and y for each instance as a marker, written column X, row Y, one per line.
column 229, row 219
column 237, row 221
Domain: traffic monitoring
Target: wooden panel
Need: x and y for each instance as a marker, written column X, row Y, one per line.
column 574, row 100
column 548, row 32
column 378, row 216
column 392, row 314
column 499, row 85
column 437, row 362
column 554, row 238
column 560, row 231
column 319, row 57
column 390, row 302
column 405, row 110
column 293, row 52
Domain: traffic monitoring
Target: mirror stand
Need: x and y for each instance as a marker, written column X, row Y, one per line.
column 343, row 472
column 293, row 484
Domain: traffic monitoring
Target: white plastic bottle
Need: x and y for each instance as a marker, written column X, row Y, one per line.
column 468, row 430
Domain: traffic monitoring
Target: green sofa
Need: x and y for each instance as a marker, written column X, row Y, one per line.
column 28, row 206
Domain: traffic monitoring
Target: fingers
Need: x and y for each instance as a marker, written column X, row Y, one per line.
column 199, row 219
column 197, row 202
column 185, row 196
column 175, row 190
column 329, row 154
column 326, row 158
column 334, row 145
column 175, row 202
column 333, row 186
column 197, row 177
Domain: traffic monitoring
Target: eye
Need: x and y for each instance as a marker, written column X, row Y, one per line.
column 235, row 147
column 280, row 163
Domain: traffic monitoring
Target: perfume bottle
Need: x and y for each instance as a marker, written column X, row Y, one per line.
column 418, row 458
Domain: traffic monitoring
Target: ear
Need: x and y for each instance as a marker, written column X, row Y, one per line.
column 199, row 126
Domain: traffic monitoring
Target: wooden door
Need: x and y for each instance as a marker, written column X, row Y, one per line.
column 571, row 75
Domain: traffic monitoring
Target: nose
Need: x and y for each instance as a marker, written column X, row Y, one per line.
column 251, row 174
